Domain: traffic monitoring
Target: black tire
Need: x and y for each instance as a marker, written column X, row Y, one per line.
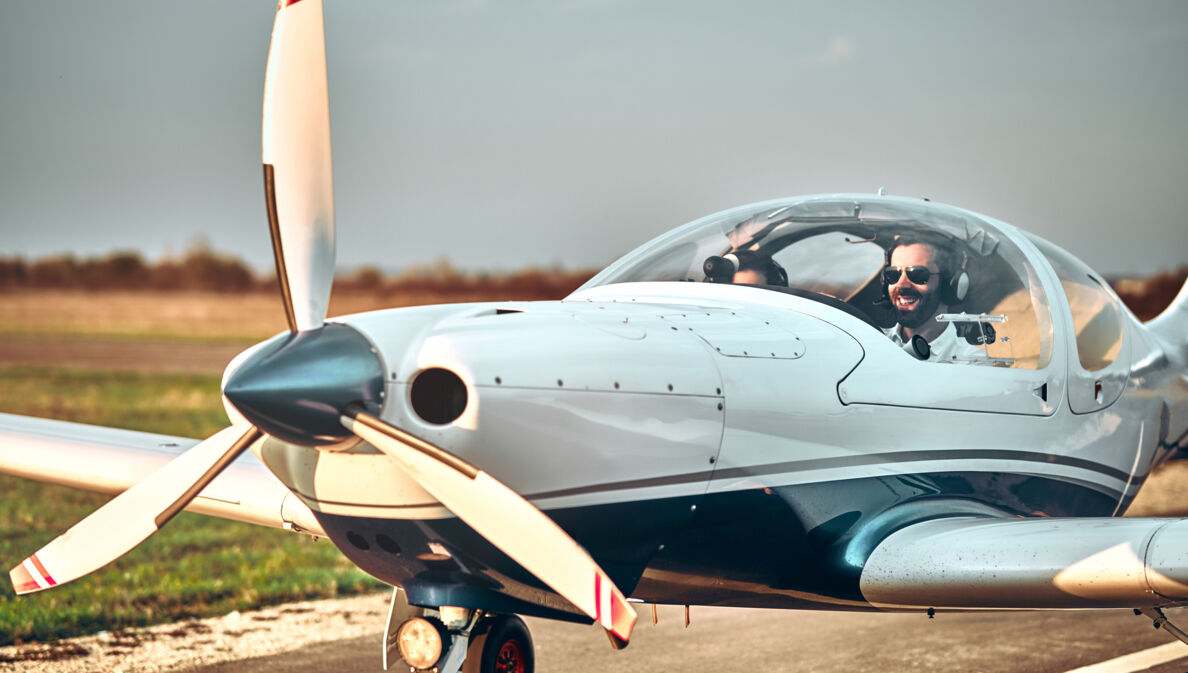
column 502, row 644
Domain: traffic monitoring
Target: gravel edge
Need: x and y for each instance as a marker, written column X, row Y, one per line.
column 184, row 645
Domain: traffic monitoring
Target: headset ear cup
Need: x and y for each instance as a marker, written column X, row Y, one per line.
column 882, row 278
column 781, row 273
column 956, row 289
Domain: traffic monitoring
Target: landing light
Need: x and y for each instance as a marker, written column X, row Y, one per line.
column 419, row 642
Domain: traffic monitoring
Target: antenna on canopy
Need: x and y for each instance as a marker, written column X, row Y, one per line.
column 882, row 191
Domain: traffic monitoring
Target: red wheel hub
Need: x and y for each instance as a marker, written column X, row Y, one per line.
column 510, row 658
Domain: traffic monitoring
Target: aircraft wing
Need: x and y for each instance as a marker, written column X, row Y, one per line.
column 1035, row 563
column 110, row 460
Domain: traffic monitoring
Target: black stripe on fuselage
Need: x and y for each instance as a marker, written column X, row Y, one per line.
column 857, row 460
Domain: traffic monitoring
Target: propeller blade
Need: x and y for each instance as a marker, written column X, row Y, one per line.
column 506, row 519
column 128, row 519
column 298, row 179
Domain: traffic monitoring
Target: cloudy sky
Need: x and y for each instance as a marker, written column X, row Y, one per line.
column 503, row 134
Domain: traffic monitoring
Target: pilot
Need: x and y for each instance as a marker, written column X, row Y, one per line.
column 922, row 280
column 757, row 269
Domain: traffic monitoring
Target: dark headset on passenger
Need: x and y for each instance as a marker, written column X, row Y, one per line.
column 722, row 269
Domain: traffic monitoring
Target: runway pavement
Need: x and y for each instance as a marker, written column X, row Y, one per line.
column 725, row 639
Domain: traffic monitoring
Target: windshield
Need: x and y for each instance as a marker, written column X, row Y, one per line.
column 836, row 250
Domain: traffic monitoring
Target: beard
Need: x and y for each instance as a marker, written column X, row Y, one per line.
column 913, row 308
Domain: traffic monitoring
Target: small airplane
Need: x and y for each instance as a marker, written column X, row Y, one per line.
column 838, row 402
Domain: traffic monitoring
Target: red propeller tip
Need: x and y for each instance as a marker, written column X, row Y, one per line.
column 30, row 576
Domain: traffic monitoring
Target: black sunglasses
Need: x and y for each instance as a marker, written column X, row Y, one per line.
column 916, row 274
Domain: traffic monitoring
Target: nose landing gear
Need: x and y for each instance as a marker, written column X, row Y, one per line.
column 504, row 646
column 455, row 640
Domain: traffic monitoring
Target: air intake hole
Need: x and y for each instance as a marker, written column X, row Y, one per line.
column 387, row 544
column 438, row 396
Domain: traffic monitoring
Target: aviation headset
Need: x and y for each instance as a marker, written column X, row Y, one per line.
column 953, row 286
column 722, row 269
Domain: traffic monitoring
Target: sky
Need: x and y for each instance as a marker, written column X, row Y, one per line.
column 505, row 134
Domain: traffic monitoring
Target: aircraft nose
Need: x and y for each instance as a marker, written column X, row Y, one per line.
column 296, row 386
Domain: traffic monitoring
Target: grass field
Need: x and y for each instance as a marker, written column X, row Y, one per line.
column 184, row 317
column 196, row 566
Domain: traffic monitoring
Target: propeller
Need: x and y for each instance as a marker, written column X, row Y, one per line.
column 506, row 519
column 321, row 384
column 298, row 187
column 298, row 180
column 132, row 516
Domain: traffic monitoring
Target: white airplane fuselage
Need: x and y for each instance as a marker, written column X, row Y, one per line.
column 716, row 444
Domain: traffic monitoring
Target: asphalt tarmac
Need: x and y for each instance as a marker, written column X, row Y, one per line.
column 726, row 639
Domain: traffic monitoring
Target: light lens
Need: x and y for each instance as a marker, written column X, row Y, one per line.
column 419, row 642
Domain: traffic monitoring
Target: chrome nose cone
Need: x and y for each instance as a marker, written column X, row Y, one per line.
column 296, row 386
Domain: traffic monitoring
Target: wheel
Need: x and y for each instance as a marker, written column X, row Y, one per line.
column 502, row 645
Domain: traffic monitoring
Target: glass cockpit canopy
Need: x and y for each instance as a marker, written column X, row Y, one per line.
column 832, row 249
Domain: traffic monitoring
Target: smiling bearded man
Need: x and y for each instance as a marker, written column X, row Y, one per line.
column 914, row 276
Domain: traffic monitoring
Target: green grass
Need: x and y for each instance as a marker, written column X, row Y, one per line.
column 187, row 405
column 195, row 566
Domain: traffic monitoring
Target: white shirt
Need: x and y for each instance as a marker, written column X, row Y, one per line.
column 946, row 347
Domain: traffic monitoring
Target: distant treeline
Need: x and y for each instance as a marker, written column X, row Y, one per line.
column 203, row 269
